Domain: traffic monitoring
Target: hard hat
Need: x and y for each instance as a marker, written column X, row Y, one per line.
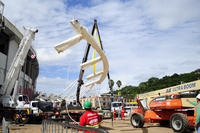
column 198, row 96
column 87, row 105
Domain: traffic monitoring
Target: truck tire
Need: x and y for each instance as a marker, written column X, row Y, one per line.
column 179, row 122
column 22, row 119
column 137, row 120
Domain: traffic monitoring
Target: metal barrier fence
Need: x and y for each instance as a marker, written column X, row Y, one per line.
column 60, row 126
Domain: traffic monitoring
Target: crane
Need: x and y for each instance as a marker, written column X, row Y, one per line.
column 9, row 88
column 84, row 34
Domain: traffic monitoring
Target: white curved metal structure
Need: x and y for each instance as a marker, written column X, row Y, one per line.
column 84, row 34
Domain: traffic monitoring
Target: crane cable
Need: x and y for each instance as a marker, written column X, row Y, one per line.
column 69, row 114
column 73, row 84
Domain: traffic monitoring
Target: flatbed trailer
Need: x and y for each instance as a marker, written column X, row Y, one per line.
column 19, row 115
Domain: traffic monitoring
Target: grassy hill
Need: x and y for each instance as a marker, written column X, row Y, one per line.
column 154, row 83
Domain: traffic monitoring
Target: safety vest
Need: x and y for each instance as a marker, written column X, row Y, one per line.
column 94, row 126
column 90, row 119
column 114, row 111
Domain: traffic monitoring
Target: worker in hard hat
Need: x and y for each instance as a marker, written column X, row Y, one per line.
column 90, row 118
column 196, row 112
column 114, row 114
column 122, row 113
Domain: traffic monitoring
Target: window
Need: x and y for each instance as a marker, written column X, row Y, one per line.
column 116, row 104
column 162, row 98
column 4, row 40
column 35, row 104
column 173, row 97
column 25, row 98
column 20, row 99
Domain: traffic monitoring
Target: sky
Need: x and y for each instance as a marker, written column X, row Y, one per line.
column 141, row 38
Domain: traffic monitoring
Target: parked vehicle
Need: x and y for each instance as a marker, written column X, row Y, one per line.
column 116, row 106
column 129, row 106
column 168, row 109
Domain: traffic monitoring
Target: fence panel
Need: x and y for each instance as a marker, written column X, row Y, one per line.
column 61, row 126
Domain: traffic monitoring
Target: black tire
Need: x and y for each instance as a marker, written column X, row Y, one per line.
column 137, row 120
column 23, row 118
column 179, row 122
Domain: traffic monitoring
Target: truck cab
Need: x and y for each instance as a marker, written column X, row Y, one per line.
column 116, row 105
column 34, row 108
column 22, row 102
column 129, row 106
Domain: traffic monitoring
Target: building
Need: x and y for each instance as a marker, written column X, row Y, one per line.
column 10, row 38
column 104, row 100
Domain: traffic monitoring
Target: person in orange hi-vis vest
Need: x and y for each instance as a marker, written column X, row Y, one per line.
column 122, row 113
column 114, row 114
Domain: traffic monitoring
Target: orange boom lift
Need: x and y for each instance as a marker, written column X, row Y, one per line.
column 167, row 107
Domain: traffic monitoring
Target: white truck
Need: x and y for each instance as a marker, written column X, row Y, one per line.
column 26, row 110
column 23, row 102
column 8, row 92
column 116, row 106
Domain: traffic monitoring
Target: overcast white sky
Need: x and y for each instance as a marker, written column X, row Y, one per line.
column 141, row 38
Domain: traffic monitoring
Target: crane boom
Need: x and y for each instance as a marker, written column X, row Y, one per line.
column 11, row 81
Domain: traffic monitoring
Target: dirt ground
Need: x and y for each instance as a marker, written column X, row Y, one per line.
column 118, row 126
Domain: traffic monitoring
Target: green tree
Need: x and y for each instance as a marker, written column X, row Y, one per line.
column 154, row 83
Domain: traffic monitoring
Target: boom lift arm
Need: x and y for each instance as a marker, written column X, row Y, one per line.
column 140, row 104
